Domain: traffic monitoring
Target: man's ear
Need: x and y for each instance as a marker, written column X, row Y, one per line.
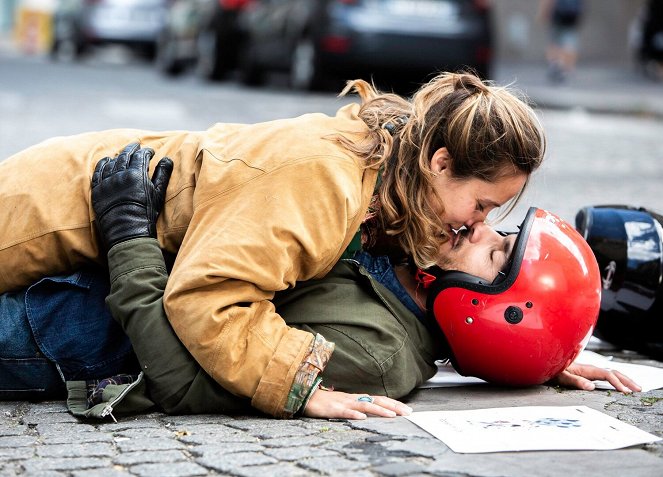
column 441, row 161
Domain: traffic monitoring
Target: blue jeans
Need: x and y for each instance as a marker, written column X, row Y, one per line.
column 59, row 329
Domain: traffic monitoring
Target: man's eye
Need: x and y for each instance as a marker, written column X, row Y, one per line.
column 480, row 207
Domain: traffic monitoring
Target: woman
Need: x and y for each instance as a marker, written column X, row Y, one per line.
column 386, row 341
column 252, row 209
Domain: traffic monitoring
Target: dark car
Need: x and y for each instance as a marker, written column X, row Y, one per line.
column 80, row 24
column 315, row 40
column 203, row 33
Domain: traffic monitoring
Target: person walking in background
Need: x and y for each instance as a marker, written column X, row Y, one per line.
column 563, row 18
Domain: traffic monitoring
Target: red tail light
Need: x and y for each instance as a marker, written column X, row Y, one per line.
column 234, row 4
column 481, row 5
column 335, row 44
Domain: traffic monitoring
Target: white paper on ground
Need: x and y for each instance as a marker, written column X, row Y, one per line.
column 647, row 377
column 529, row 428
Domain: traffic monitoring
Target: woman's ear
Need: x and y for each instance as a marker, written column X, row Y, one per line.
column 441, row 161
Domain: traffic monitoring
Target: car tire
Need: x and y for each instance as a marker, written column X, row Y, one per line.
column 305, row 70
column 166, row 60
column 212, row 61
column 250, row 72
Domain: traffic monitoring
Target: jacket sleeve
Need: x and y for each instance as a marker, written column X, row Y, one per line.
column 175, row 382
column 244, row 244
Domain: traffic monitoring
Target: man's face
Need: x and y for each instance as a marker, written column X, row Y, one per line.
column 479, row 251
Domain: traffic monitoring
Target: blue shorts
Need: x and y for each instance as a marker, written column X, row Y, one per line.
column 59, row 329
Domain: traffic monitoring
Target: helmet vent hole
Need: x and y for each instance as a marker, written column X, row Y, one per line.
column 475, row 301
column 529, row 304
column 513, row 315
column 469, row 320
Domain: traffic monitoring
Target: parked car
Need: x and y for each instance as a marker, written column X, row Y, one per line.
column 314, row 40
column 203, row 33
column 79, row 24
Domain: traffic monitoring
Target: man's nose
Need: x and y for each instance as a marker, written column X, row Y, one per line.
column 477, row 217
column 480, row 232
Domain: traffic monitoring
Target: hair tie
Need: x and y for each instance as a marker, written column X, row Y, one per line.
column 393, row 126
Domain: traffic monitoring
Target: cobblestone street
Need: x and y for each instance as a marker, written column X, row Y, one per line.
column 45, row 440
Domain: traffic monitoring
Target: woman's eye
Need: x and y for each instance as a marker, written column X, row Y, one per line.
column 480, row 207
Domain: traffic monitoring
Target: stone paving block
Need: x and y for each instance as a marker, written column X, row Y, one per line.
column 283, row 431
column 9, row 430
column 253, row 424
column 141, row 422
column 203, row 439
column 50, row 412
column 324, row 425
column 76, row 449
column 332, row 465
column 133, row 458
column 102, row 473
column 399, row 469
column 233, row 462
column 215, row 419
column 17, row 441
column 225, row 448
column 175, row 469
column 116, row 471
column 46, row 473
column 78, row 437
column 48, row 429
column 356, row 473
column 16, row 453
column 345, row 435
column 75, row 463
column 276, row 470
column 298, row 453
column 311, row 441
column 145, row 432
column 147, row 444
column 420, row 447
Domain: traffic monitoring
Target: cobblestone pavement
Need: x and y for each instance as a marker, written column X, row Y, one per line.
column 43, row 439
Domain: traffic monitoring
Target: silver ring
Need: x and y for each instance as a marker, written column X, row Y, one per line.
column 365, row 399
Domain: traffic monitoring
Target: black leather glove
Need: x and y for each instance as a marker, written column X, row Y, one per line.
column 125, row 200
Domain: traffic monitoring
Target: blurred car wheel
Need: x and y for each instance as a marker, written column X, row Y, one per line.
column 211, row 62
column 166, row 59
column 250, row 73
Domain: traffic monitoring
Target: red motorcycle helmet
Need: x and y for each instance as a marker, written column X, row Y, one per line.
column 529, row 324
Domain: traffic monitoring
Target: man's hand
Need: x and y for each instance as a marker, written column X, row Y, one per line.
column 580, row 376
column 339, row 405
column 125, row 200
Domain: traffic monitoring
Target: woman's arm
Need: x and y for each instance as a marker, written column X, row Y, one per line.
column 138, row 278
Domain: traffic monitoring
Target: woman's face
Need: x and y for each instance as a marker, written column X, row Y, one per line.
column 463, row 202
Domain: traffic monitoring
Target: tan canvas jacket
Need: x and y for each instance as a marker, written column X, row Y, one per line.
column 250, row 210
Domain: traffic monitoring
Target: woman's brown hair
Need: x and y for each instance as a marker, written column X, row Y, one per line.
column 488, row 131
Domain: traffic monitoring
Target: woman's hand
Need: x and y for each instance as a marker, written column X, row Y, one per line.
column 580, row 376
column 339, row 405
